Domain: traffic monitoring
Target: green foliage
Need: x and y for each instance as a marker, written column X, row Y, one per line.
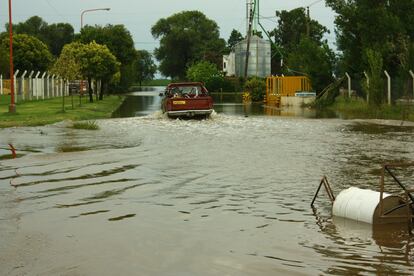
column 375, row 73
column 91, row 61
column 186, row 38
column 256, row 87
column 55, row 36
column 116, row 37
column 292, row 27
column 387, row 26
column 29, row 53
column 303, row 54
column 67, row 65
column 4, row 62
column 145, row 67
column 119, row 41
column 207, row 73
column 315, row 61
column 235, row 37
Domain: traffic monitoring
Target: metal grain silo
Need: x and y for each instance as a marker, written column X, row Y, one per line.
column 259, row 57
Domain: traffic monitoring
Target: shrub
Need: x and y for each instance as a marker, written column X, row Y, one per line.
column 256, row 87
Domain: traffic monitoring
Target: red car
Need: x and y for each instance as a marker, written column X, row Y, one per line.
column 188, row 99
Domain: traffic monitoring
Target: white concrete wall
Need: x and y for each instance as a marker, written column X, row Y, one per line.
column 296, row 101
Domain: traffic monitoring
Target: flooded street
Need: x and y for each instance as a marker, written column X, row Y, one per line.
column 231, row 195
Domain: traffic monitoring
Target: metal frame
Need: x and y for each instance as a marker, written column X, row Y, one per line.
column 409, row 198
column 325, row 183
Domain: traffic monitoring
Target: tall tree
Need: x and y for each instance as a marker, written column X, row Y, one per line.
column 146, row 67
column 97, row 62
column 119, row 41
column 313, row 60
column 385, row 26
column 304, row 53
column 292, row 26
column 29, row 53
column 235, row 37
column 55, row 36
column 186, row 38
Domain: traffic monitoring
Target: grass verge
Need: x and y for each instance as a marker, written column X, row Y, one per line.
column 43, row 112
column 359, row 109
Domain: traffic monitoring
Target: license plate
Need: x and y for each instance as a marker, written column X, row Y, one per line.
column 178, row 102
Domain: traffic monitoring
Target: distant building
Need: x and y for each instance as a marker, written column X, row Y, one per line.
column 229, row 64
column 259, row 58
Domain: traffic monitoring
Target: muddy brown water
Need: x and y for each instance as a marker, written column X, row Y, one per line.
column 147, row 195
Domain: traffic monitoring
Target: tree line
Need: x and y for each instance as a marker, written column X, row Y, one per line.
column 371, row 36
column 104, row 53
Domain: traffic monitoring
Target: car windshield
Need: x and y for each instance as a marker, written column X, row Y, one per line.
column 182, row 91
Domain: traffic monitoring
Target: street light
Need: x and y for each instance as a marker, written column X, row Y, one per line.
column 82, row 13
column 12, row 107
column 92, row 10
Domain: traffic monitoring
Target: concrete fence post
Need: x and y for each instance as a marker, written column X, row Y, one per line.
column 31, row 85
column 349, row 84
column 16, row 91
column 23, row 84
column 47, row 85
column 1, row 84
column 388, row 86
column 53, row 85
column 367, row 78
column 43, row 85
column 412, row 75
column 37, row 85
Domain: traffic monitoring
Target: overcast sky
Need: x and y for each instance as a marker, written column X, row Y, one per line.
column 139, row 15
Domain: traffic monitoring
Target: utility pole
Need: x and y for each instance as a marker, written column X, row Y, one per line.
column 12, row 107
column 307, row 21
column 249, row 33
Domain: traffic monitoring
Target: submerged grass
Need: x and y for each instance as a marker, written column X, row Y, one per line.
column 43, row 112
column 359, row 109
column 88, row 125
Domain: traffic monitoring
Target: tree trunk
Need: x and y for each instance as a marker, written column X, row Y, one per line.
column 101, row 93
column 63, row 100
column 90, row 91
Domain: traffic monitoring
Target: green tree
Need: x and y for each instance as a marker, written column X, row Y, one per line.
column 207, row 73
column 235, row 37
column 67, row 66
column 119, row 41
column 292, row 27
column 4, row 62
column 314, row 61
column 29, row 53
column 365, row 24
column 146, row 67
column 186, row 38
column 375, row 73
column 55, row 36
column 97, row 62
column 256, row 87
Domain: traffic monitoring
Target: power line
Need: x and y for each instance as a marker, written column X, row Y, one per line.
column 54, row 9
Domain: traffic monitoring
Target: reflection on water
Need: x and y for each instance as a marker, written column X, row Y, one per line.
column 143, row 103
column 224, row 196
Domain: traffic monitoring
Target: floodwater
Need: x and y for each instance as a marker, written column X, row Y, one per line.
column 231, row 195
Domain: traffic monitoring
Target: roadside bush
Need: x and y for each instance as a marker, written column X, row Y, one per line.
column 207, row 73
column 256, row 87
